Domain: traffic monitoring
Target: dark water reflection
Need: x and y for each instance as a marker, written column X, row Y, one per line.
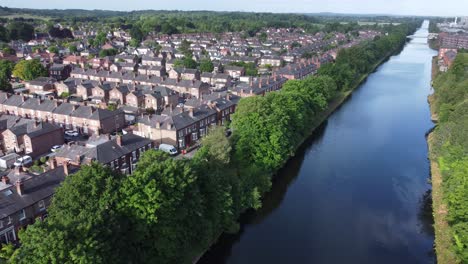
column 357, row 191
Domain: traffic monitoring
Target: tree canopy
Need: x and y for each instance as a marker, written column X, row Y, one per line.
column 29, row 69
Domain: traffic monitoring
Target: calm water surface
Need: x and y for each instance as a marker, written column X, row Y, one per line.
column 357, row 191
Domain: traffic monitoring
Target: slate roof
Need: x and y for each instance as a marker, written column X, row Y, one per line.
column 107, row 151
column 64, row 109
column 36, row 188
column 39, row 104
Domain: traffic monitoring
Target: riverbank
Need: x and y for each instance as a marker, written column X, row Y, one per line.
column 442, row 232
column 443, row 239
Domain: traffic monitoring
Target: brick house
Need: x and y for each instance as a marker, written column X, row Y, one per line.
column 120, row 153
column 41, row 84
column 32, row 137
column 135, row 99
column 26, row 198
column 118, row 95
column 60, row 72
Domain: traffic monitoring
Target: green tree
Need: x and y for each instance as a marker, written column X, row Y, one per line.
column 185, row 48
column 206, row 65
column 53, row 49
column 20, row 31
column 6, row 69
column 186, row 62
column 83, row 225
column 29, row 69
column 136, row 33
column 107, row 52
column 165, row 207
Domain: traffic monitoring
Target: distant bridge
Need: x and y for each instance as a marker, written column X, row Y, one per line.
column 417, row 36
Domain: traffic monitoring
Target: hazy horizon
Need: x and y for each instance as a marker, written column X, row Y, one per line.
column 364, row 7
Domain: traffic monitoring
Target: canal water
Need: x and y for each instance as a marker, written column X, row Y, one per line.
column 357, row 191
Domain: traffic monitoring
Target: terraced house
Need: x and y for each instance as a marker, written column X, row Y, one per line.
column 86, row 119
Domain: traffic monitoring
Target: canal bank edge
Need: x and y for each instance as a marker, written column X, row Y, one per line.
column 442, row 233
column 333, row 105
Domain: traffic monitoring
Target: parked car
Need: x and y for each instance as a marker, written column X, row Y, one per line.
column 71, row 133
column 168, row 149
column 23, row 161
column 56, row 148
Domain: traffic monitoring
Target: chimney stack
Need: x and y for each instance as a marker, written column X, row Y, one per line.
column 65, row 168
column 18, row 170
column 5, row 180
column 52, row 163
column 119, row 140
column 191, row 112
column 20, row 187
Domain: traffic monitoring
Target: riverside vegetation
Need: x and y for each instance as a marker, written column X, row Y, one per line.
column 449, row 151
column 170, row 210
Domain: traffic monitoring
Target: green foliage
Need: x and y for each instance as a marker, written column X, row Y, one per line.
column 83, row 225
column 112, row 107
column 136, row 34
column 185, row 48
column 186, row 62
column 107, row 52
column 53, row 49
column 6, row 69
column 354, row 63
column 450, row 148
column 206, row 65
column 268, row 129
column 29, row 69
column 250, row 68
column 99, row 40
column 20, row 31
column 163, row 202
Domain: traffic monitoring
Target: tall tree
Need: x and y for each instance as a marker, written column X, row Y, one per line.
column 206, row 65
column 6, row 69
column 29, row 69
column 83, row 224
column 163, row 201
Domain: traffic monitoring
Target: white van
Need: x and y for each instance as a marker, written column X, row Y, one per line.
column 168, row 149
column 23, row 161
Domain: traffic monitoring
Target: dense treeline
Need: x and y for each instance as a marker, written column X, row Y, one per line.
column 169, row 210
column 450, row 148
column 16, row 31
column 353, row 63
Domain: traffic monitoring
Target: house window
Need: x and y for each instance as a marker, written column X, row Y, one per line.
column 22, row 214
column 194, row 136
column 7, row 235
column 41, row 205
column 181, row 143
column 134, row 155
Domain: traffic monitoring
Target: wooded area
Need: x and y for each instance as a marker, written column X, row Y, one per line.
column 450, row 148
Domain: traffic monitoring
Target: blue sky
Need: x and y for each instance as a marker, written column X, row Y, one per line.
column 403, row 7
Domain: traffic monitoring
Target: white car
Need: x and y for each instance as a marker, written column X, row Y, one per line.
column 71, row 133
column 56, row 148
column 168, row 149
column 23, row 161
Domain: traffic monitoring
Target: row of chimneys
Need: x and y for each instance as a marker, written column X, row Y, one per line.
column 20, row 182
